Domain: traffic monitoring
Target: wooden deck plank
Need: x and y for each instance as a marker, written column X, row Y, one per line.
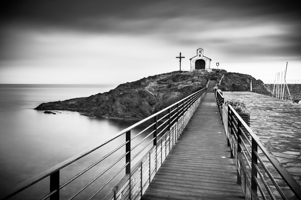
column 199, row 166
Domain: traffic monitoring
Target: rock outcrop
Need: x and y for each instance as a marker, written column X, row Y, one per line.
column 241, row 82
column 139, row 99
column 135, row 100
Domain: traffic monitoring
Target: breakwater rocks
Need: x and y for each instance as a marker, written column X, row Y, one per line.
column 278, row 125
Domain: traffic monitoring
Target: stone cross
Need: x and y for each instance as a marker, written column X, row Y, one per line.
column 180, row 58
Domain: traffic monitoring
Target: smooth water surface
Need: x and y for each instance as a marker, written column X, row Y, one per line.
column 32, row 142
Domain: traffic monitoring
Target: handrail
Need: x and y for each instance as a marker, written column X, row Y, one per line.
column 239, row 145
column 159, row 128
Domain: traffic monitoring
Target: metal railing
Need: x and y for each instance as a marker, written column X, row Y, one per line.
column 261, row 175
column 125, row 169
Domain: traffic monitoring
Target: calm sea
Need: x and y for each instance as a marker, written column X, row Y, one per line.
column 32, row 142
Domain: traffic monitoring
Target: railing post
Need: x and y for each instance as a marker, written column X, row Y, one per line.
column 230, row 129
column 254, row 170
column 155, row 131
column 161, row 149
column 141, row 179
column 128, row 160
column 221, row 109
column 115, row 193
column 238, row 150
column 239, row 137
column 55, row 185
column 220, row 102
column 128, row 152
column 178, row 125
column 149, row 167
column 169, row 130
column 155, row 140
column 165, row 139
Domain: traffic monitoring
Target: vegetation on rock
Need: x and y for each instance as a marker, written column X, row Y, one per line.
column 238, row 106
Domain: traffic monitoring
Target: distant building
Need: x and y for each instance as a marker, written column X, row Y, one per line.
column 200, row 62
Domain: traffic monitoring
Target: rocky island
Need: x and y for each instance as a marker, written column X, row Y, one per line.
column 139, row 99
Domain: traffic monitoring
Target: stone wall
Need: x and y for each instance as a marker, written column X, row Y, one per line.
column 278, row 125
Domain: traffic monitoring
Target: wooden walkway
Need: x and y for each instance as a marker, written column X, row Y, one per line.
column 199, row 166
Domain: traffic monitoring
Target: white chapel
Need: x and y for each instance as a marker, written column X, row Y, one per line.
column 200, row 62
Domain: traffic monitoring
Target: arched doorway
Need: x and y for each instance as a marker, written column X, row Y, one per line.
column 200, row 64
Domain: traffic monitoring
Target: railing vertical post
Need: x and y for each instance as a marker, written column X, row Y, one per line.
column 179, row 116
column 239, row 137
column 149, row 167
column 217, row 98
column 161, row 149
column 128, row 152
column 220, row 102
column 115, row 193
column 55, row 185
column 174, row 133
column 254, row 170
column 155, row 139
column 170, row 140
column 230, row 127
column 165, row 139
column 141, row 179
column 155, row 131
column 221, row 108
column 169, row 130
column 238, row 150
column 128, row 160
column 178, row 129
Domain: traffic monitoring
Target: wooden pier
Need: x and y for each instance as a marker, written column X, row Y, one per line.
column 199, row 166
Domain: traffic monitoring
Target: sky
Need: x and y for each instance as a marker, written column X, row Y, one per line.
column 112, row 42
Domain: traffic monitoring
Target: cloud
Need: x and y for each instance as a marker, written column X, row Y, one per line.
column 84, row 14
column 69, row 30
